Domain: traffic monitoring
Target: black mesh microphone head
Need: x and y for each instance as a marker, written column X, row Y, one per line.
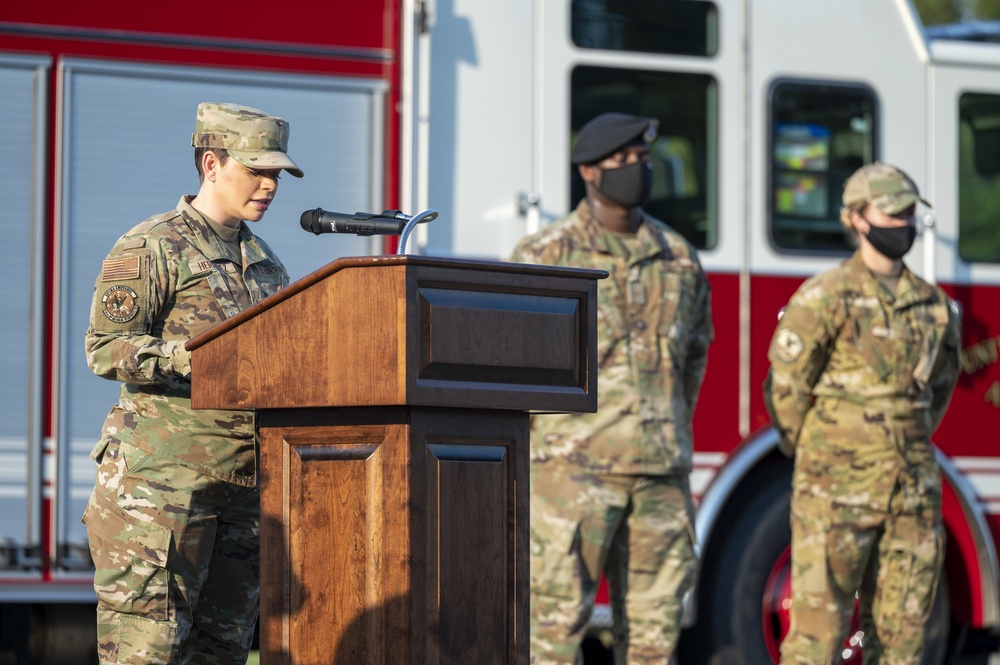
column 310, row 220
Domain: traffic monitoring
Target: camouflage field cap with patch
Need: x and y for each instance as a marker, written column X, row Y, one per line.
column 884, row 186
column 253, row 138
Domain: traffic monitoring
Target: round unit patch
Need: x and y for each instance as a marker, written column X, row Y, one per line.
column 120, row 304
column 788, row 345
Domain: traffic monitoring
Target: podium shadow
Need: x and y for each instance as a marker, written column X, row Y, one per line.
column 374, row 636
column 274, row 607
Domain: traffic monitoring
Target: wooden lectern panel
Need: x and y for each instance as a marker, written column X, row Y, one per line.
column 468, row 604
column 474, row 482
column 475, row 337
column 389, row 331
column 326, row 527
column 391, row 537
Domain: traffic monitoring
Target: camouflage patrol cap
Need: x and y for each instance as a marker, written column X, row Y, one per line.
column 251, row 137
column 610, row 132
column 885, row 186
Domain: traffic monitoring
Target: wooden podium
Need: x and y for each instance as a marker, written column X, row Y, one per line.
column 394, row 395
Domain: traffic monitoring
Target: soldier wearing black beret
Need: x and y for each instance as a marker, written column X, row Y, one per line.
column 612, row 155
column 610, row 489
column 608, row 132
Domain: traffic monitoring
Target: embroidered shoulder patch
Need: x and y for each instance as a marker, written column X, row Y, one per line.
column 120, row 304
column 788, row 345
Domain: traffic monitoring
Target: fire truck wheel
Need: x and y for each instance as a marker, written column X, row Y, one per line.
column 746, row 543
column 742, row 603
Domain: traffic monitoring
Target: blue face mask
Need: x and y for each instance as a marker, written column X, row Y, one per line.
column 892, row 242
column 628, row 186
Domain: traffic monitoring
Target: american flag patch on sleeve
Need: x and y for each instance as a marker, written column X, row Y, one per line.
column 118, row 269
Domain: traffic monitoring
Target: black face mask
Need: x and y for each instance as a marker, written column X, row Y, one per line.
column 628, row 186
column 892, row 242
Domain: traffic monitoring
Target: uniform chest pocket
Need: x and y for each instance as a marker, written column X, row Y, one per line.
column 873, row 342
column 934, row 324
column 209, row 287
column 227, row 285
column 678, row 298
column 611, row 329
column 264, row 283
column 671, row 323
column 675, row 298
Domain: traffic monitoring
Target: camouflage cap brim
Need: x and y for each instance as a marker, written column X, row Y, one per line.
column 271, row 159
column 893, row 204
column 884, row 186
column 253, row 138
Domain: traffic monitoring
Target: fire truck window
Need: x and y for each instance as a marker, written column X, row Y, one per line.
column 684, row 156
column 335, row 124
column 684, row 27
column 979, row 177
column 820, row 133
column 22, row 113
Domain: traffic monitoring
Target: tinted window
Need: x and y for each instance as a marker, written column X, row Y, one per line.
column 979, row 177
column 684, row 156
column 820, row 134
column 685, row 27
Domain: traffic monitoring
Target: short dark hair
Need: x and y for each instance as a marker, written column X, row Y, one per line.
column 220, row 153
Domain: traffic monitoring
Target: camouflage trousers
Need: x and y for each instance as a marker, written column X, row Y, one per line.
column 177, row 562
column 639, row 531
column 892, row 561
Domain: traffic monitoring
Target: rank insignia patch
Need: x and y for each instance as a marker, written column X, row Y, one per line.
column 788, row 345
column 120, row 304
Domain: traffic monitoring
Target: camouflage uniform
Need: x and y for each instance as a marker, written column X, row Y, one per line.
column 174, row 519
column 860, row 379
column 610, row 489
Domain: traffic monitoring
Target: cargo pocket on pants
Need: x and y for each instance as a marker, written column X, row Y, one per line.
column 130, row 560
column 910, row 583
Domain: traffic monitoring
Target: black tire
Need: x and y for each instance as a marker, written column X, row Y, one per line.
column 749, row 540
column 730, row 627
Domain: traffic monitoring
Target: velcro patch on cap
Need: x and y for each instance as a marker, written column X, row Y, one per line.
column 116, row 269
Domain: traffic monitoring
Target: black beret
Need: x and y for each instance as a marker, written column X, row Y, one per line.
column 608, row 133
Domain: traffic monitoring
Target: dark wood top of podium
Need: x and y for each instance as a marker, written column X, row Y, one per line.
column 409, row 330
column 383, row 261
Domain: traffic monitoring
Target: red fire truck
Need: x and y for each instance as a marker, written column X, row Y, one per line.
column 470, row 108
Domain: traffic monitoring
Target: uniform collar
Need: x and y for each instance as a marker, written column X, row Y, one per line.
column 650, row 242
column 209, row 242
column 911, row 289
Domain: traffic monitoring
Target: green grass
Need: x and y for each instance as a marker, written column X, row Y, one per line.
column 254, row 658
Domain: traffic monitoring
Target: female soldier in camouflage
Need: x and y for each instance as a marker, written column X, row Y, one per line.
column 863, row 364
column 174, row 519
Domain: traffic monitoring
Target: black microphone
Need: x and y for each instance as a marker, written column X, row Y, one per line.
column 386, row 223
